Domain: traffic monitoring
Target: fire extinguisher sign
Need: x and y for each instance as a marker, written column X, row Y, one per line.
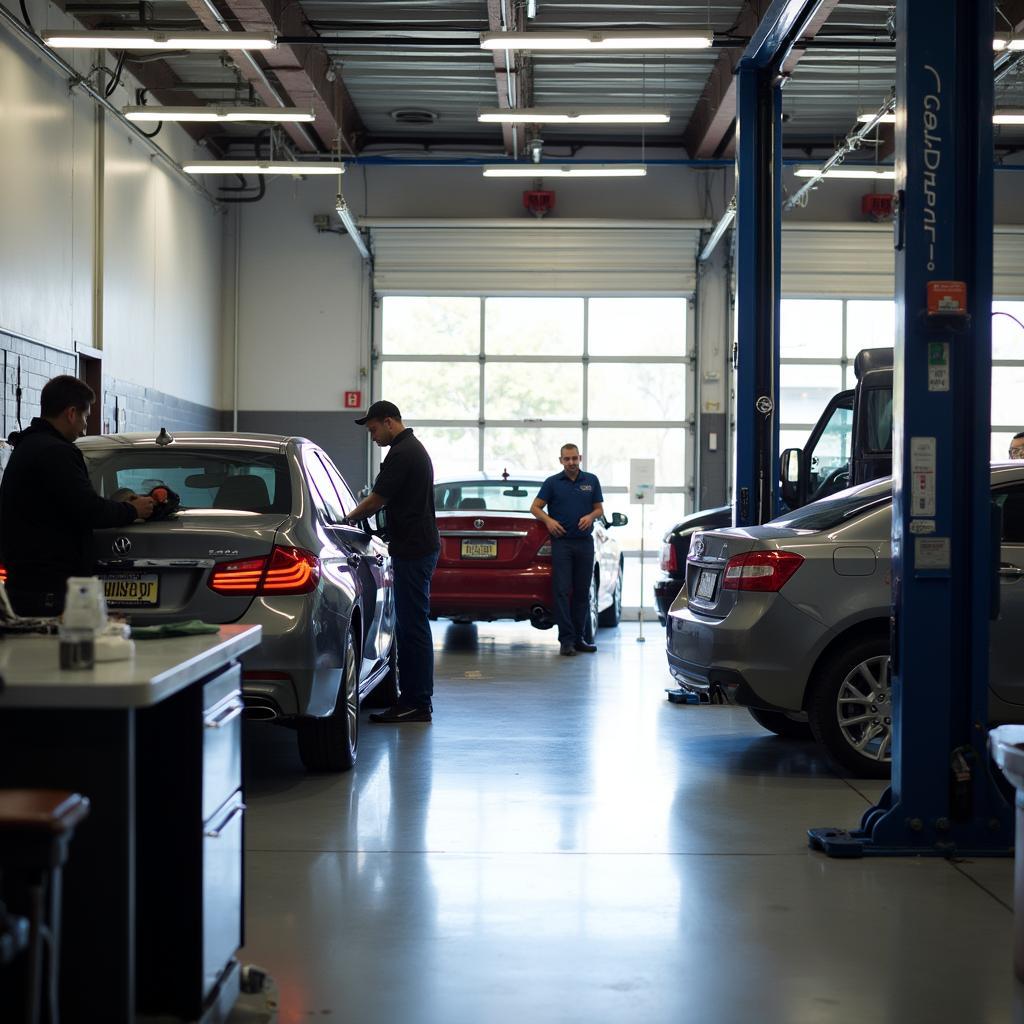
column 353, row 399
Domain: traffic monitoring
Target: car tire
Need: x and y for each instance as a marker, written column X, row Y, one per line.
column 781, row 724
column 329, row 744
column 590, row 626
column 386, row 693
column 612, row 615
column 856, row 734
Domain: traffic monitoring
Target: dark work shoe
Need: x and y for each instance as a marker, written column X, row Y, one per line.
column 567, row 649
column 582, row 645
column 402, row 713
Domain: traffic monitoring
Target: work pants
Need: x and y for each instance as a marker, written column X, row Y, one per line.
column 572, row 569
column 412, row 628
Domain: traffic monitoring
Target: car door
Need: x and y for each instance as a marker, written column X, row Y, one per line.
column 352, row 541
column 1005, row 676
column 827, row 455
column 606, row 555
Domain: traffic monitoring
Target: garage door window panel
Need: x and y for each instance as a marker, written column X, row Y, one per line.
column 805, row 390
column 811, row 329
column 636, row 391
column 609, row 450
column 435, row 325
column 533, row 391
column 533, row 326
column 536, row 449
column 644, row 327
column 433, row 390
column 454, row 450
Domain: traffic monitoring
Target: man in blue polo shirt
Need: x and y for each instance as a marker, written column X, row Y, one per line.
column 573, row 498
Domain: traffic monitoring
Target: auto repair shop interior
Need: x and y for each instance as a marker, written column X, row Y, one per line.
column 763, row 262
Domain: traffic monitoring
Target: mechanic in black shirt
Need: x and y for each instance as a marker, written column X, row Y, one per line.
column 48, row 506
column 405, row 484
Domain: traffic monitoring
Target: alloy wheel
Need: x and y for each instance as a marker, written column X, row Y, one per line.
column 864, row 709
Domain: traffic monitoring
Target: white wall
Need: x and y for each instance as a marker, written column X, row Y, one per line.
column 161, row 239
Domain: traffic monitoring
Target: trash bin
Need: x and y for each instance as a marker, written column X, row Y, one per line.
column 1007, row 746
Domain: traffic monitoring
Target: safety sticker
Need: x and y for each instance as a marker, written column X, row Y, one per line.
column 938, row 366
column 922, row 471
column 922, row 525
column 931, row 553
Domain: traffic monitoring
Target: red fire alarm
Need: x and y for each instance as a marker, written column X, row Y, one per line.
column 878, row 205
column 539, row 201
column 353, row 399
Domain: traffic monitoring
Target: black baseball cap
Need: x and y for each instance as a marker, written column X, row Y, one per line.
column 380, row 411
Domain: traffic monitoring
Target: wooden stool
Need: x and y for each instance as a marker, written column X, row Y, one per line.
column 36, row 826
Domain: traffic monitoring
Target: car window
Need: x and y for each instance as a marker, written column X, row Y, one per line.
column 1011, row 502
column 838, row 508
column 320, row 482
column 878, row 410
column 241, row 481
column 485, row 495
column 831, row 452
column 348, row 502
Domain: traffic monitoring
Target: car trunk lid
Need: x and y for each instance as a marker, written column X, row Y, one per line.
column 708, row 556
column 489, row 540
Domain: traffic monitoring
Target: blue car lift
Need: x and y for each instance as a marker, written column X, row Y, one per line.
column 943, row 800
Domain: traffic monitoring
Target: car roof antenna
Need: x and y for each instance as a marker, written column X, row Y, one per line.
column 163, row 438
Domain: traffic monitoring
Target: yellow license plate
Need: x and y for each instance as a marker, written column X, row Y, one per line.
column 131, row 590
column 479, row 549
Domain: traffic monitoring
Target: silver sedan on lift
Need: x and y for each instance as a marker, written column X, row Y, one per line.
column 791, row 620
column 258, row 539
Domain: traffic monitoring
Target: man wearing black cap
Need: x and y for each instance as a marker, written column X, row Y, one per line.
column 405, row 484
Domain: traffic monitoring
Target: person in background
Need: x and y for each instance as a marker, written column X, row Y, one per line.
column 48, row 506
column 405, row 485
column 1017, row 446
column 574, row 500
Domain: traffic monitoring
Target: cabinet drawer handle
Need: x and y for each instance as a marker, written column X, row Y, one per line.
column 214, row 833
column 229, row 714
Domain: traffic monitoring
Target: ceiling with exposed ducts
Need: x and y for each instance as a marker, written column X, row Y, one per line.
column 408, row 77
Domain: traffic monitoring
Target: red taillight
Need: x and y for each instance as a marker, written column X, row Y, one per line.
column 287, row 571
column 669, row 561
column 764, row 571
column 3, row 574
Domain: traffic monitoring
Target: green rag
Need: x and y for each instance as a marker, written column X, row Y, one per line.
column 193, row 627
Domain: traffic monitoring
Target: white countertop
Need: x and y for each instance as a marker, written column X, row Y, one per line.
column 32, row 677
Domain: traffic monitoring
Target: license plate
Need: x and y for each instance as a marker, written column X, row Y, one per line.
column 706, row 584
column 479, row 549
column 132, row 591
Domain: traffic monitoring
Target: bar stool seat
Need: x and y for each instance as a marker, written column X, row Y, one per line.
column 36, row 827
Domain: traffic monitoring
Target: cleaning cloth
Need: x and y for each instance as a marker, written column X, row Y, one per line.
column 191, row 627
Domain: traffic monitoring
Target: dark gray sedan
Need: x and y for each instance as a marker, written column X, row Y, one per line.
column 791, row 620
column 258, row 540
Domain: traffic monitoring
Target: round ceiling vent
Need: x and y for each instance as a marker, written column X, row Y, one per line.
column 414, row 115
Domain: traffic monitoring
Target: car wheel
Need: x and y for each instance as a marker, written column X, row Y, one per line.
column 329, row 744
column 612, row 615
column 386, row 693
column 590, row 626
column 781, row 724
column 850, row 708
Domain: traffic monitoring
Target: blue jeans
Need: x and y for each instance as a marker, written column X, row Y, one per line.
column 412, row 628
column 572, row 568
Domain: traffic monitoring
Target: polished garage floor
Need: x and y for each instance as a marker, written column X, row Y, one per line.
column 563, row 845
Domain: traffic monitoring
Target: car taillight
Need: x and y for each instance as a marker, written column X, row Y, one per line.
column 544, row 551
column 3, row 574
column 763, row 571
column 287, row 571
column 669, row 561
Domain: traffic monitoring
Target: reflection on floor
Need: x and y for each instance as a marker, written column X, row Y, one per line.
column 564, row 845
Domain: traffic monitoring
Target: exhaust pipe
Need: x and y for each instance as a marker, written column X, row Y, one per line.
column 259, row 709
column 540, row 617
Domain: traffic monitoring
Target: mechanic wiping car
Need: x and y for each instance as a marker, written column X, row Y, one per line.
column 48, row 506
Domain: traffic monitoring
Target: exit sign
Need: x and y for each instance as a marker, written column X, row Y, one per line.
column 353, row 399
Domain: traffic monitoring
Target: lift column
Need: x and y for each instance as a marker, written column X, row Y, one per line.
column 943, row 799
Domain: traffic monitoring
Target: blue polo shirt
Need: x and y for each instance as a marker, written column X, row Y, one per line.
column 568, row 500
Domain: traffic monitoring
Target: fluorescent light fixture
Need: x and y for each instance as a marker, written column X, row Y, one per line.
column 295, row 167
column 556, row 115
column 1008, row 117
column 654, row 39
column 189, row 114
column 565, row 171
column 351, row 227
column 866, row 116
column 867, row 173
column 1004, row 41
column 142, row 39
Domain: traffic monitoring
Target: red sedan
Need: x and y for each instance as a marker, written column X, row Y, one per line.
column 495, row 558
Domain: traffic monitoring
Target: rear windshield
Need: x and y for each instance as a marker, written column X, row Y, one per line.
column 485, row 495
column 235, row 480
column 838, row 508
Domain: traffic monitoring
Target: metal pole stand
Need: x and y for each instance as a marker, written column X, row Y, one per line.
column 641, row 639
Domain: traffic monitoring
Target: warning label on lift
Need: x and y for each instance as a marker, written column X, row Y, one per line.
column 922, row 471
column 938, row 366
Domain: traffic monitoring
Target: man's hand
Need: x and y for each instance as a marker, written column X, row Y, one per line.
column 555, row 528
column 143, row 506
column 586, row 522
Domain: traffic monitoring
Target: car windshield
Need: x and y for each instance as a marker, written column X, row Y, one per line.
column 485, row 495
column 232, row 480
column 837, row 508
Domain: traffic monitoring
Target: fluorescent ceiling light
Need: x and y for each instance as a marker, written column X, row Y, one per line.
column 867, row 116
column 565, row 171
column 656, row 39
column 1004, row 41
column 295, row 167
column 869, row 173
column 274, row 114
column 555, row 115
column 1008, row 117
column 141, row 39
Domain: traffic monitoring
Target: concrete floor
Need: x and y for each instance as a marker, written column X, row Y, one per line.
column 563, row 845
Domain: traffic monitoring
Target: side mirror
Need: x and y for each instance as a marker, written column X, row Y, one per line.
column 618, row 519
column 790, row 465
